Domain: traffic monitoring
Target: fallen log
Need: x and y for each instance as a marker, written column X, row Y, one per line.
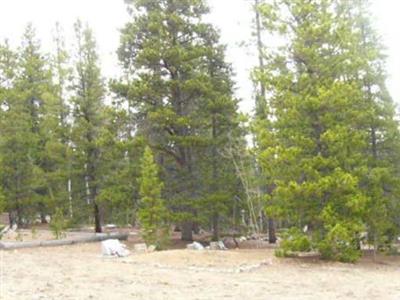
column 98, row 237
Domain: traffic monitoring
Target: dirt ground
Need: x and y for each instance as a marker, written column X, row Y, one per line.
column 43, row 234
column 80, row 272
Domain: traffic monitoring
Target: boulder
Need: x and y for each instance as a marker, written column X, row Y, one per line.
column 217, row 246
column 151, row 248
column 114, row 248
column 195, row 246
column 230, row 243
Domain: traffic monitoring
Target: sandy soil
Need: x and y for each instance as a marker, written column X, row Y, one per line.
column 42, row 234
column 80, row 272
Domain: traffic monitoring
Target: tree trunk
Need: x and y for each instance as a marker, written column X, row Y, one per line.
column 20, row 223
column 43, row 218
column 215, row 221
column 187, row 233
column 261, row 103
column 271, row 231
column 97, row 223
column 196, row 227
column 13, row 217
column 215, row 217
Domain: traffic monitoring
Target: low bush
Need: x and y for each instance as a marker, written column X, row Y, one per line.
column 293, row 240
column 58, row 224
column 339, row 244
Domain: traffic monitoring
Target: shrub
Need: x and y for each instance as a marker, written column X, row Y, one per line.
column 293, row 240
column 34, row 232
column 58, row 224
column 339, row 244
column 152, row 214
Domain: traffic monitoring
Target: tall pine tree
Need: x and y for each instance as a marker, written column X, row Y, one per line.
column 317, row 149
column 167, row 53
column 88, row 105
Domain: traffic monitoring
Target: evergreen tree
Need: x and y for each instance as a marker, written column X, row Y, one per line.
column 221, row 123
column 382, row 182
column 88, row 109
column 16, row 140
column 30, row 102
column 316, row 150
column 61, row 175
column 166, row 53
column 261, row 119
column 153, row 216
column 120, row 167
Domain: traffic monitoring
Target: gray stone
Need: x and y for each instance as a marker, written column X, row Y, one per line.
column 231, row 243
column 113, row 248
column 217, row 246
column 151, row 248
column 195, row 246
column 110, row 226
column 242, row 239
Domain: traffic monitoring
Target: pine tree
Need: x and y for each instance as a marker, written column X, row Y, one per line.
column 88, row 105
column 166, row 53
column 261, row 119
column 30, row 100
column 16, row 140
column 62, row 137
column 221, row 123
column 120, row 166
column 153, row 216
column 382, row 182
column 317, row 149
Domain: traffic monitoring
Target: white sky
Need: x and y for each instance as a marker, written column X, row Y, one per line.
column 232, row 17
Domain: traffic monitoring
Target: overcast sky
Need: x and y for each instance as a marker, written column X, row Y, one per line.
column 232, row 17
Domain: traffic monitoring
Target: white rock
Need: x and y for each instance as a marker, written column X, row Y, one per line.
column 222, row 245
column 111, row 226
column 48, row 218
column 242, row 239
column 195, row 246
column 114, row 248
column 151, row 248
column 217, row 246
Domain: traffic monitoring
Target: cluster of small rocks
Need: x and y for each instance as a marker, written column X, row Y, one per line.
column 118, row 249
column 142, row 247
column 245, row 242
column 213, row 246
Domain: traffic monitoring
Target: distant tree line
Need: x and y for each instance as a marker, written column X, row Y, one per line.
column 164, row 143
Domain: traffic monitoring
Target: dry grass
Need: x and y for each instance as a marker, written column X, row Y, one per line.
column 80, row 272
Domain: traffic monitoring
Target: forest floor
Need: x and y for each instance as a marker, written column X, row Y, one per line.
column 80, row 272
